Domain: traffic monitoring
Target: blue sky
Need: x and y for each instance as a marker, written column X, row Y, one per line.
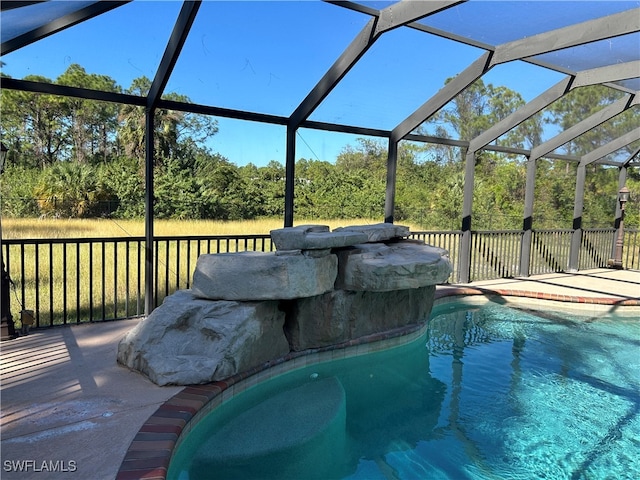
column 265, row 57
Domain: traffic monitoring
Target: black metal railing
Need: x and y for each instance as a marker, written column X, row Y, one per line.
column 549, row 251
column 95, row 279
column 175, row 257
column 495, row 254
column 596, row 248
column 631, row 252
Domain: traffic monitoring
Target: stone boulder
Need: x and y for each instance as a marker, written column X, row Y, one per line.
column 314, row 237
column 317, row 321
column 379, row 232
column 341, row 315
column 188, row 340
column 380, row 267
column 250, row 276
column 319, row 288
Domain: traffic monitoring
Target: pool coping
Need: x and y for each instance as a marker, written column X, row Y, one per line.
column 151, row 450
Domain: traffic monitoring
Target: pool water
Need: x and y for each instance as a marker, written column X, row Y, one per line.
column 490, row 392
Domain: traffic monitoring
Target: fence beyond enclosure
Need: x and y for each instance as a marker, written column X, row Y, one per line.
column 66, row 281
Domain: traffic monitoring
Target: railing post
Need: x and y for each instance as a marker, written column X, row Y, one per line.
column 148, row 214
column 576, row 237
column 527, row 223
column 464, row 273
column 390, row 193
column 622, row 181
column 8, row 327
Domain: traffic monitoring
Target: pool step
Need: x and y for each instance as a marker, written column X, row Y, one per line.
column 278, row 437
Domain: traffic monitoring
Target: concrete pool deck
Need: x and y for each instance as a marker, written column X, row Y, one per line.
column 68, row 410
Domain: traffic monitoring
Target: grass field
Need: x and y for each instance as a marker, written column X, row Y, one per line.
column 23, row 228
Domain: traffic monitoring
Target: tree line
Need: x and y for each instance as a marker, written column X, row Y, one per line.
column 76, row 158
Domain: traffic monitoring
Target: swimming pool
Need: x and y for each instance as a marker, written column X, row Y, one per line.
column 489, row 391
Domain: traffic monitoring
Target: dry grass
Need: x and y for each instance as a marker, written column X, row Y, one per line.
column 30, row 228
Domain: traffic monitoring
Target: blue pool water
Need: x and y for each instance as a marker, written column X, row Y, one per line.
column 490, row 392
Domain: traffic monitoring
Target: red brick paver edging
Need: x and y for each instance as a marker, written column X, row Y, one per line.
column 458, row 291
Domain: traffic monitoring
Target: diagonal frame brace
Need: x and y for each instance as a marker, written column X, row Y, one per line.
column 590, row 31
column 617, row 144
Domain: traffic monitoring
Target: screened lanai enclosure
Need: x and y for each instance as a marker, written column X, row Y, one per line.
column 295, row 79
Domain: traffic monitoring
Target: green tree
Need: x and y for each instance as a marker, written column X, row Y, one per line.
column 368, row 155
column 222, row 188
column 175, row 133
column 499, row 193
column 17, row 184
column 91, row 124
column 583, row 102
column 314, row 179
column 554, row 196
column 434, row 188
column 123, row 177
column 601, row 181
column 71, row 190
column 176, row 191
column 33, row 126
column 357, row 188
column 477, row 108
column 271, row 181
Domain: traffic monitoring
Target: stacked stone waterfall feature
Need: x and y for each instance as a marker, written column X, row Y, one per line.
column 319, row 288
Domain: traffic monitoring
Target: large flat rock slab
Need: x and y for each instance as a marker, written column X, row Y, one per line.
column 380, row 267
column 249, row 276
column 378, row 232
column 187, row 340
column 314, row 237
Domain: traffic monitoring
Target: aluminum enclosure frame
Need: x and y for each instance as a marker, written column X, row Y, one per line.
column 401, row 14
